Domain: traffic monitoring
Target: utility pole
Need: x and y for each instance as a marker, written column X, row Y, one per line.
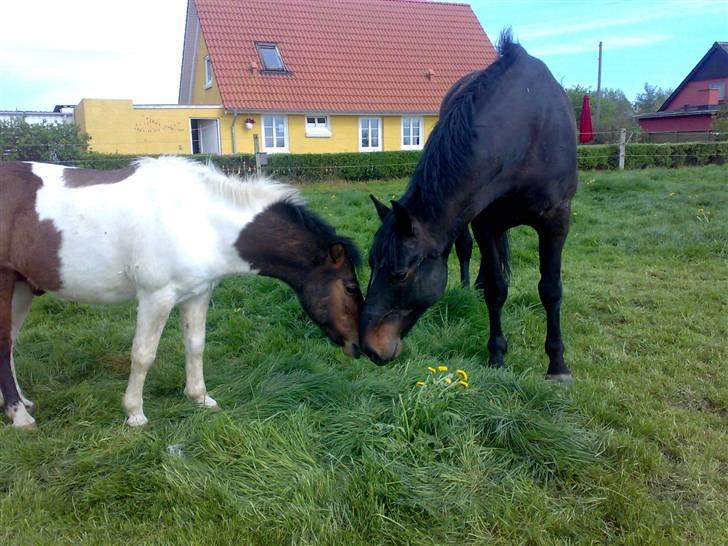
column 599, row 90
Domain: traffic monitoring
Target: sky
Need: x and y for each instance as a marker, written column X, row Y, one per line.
column 60, row 51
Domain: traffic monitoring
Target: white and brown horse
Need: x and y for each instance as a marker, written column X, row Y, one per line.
column 163, row 231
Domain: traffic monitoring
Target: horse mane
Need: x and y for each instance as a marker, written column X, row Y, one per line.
column 298, row 214
column 448, row 151
column 238, row 191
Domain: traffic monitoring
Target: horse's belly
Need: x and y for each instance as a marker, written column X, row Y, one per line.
column 99, row 287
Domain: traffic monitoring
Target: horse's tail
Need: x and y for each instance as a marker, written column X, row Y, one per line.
column 504, row 251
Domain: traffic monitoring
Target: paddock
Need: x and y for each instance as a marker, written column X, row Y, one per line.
column 314, row 447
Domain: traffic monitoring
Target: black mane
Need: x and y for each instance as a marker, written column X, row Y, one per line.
column 447, row 154
column 323, row 231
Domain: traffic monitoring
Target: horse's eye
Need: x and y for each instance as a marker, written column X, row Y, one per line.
column 350, row 289
column 398, row 276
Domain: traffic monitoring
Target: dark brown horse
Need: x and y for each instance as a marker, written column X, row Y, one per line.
column 502, row 154
column 164, row 232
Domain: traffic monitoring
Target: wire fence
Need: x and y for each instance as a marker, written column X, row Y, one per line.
column 380, row 165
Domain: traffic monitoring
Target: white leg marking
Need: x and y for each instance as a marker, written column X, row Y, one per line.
column 193, row 315
column 20, row 416
column 22, row 299
column 152, row 315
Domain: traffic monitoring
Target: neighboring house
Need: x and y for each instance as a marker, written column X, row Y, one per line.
column 692, row 105
column 60, row 114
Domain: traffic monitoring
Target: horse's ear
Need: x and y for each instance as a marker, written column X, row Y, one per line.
column 382, row 209
column 337, row 253
column 402, row 220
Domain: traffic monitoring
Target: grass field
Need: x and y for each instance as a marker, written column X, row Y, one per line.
column 315, row 448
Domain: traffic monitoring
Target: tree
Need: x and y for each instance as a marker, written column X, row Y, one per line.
column 651, row 99
column 42, row 142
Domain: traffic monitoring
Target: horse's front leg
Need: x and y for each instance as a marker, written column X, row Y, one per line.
column 193, row 315
column 152, row 315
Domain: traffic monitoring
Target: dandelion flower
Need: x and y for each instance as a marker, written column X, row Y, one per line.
column 442, row 368
column 463, row 374
column 464, row 384
column 448, row 380
column 430, row 368
column 420, row 383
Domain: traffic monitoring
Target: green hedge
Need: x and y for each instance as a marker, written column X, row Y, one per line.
column 384, row 165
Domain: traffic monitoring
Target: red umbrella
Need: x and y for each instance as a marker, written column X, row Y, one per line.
column 585, row 125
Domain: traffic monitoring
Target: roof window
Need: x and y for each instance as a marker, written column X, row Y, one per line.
column 270, row 56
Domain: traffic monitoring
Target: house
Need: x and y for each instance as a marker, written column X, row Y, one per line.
column 693, row 104
column 312, row 76
column 61, row 114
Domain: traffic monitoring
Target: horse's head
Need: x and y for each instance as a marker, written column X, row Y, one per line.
column 332, row 298
column 409, row 274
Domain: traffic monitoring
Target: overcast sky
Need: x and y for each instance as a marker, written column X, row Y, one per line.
column 58, row 52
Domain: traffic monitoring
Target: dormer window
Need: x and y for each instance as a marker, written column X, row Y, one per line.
column 270, row 57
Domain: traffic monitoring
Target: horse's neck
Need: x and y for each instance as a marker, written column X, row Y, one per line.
column 275, row 246
column 442, row 220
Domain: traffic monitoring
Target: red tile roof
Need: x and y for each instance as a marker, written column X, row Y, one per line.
column 353, row 56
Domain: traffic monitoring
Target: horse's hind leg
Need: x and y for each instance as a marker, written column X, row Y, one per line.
column 152, row 315
column 552, row 232
column 494, row 281
column 22, row 300
column 464, row 251
column 14, row 406
column 193, row 315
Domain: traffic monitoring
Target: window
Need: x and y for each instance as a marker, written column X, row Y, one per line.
column 370, row 138
column 208, row 72
column 317, row 126
column 412, row 137
column 720, row 86
column 270, row 57
column 275, row 134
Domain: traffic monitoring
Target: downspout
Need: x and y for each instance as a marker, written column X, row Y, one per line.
column 232, row 131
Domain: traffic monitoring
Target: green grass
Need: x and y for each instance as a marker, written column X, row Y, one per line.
column 315, row 448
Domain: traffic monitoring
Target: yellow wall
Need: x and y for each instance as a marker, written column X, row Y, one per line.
column 117, row 126
column 200, row 95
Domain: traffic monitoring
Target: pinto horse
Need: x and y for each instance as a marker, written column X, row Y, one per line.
column 502, row 154
column 164, row 231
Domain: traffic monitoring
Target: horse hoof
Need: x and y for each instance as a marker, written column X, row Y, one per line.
column 563, row 379
column 207, row 402
column 136, row 420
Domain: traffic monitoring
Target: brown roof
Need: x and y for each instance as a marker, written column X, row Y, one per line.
column 355, row 56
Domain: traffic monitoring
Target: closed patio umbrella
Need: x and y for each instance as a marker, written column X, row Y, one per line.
column 585, row 124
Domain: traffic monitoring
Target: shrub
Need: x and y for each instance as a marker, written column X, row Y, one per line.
column 22, row 141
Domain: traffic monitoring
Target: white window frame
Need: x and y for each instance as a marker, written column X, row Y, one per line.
column 275, row 149
column 316, row 129
column 208, row 72
column 411, row 146
column 377, row 148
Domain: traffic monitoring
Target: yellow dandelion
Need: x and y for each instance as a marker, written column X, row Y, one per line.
column 463, row 374
column 448, row 380
column 420, row 383
column 464, row 384
column 442, row 368
column 430, row 368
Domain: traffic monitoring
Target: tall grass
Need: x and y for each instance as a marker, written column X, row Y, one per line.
column 315, row 448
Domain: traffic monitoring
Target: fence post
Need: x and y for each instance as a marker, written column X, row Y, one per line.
column 622, row 142
column 256, row 151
